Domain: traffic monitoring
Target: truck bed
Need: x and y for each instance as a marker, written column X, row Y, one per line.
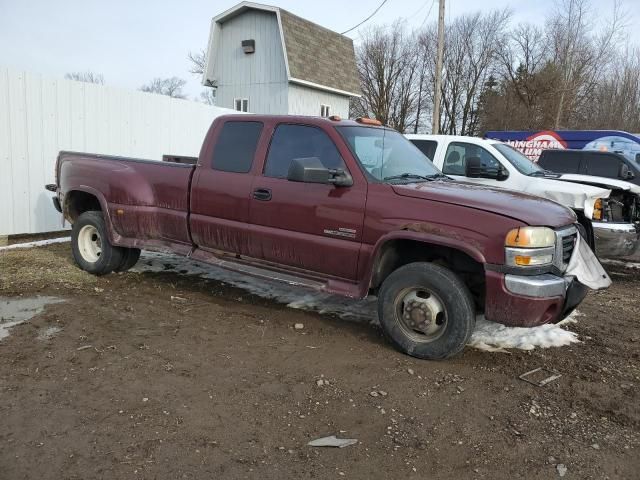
column 146, row 199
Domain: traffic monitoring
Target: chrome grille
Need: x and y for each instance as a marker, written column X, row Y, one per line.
column 568, row 244
column 565, row 246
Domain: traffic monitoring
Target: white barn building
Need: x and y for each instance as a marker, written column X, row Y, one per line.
column 263, row 59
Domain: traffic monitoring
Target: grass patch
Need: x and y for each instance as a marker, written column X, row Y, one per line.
column 40, row 268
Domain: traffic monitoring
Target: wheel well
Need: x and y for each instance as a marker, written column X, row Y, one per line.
column 587, row 234
column 397, row 253
column 77, row 202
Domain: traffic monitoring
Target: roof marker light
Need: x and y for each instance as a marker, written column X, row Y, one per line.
column 368, row 121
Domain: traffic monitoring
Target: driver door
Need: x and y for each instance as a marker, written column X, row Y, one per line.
column 312, row 226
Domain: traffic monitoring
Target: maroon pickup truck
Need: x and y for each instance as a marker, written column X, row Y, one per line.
column 342, row 206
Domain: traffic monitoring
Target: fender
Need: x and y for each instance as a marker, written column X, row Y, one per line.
column 463, row 245
column 114, row 237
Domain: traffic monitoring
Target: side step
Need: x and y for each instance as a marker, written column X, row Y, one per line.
column 258, row 272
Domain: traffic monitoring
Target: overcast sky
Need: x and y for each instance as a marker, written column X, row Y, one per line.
column 133, row 41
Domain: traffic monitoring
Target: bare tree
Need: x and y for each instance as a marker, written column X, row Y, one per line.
column 171, row 87
column 472, row 45
column 208, row 96
column 615, row 103
column 388, row 69
column 581, row 52
column 522, row 92
column 88, row 77
column 198, row 60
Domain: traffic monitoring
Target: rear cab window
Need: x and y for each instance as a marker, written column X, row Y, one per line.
column 561, row 162
column 427, row 147
column 603, row 165
column 292, row 141
column 236, row 146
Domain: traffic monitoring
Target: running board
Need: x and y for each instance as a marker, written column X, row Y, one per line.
column 258, row 272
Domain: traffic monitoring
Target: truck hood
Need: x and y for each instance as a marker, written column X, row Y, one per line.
column 525, row 208
column 575, row 195
column 602, row 182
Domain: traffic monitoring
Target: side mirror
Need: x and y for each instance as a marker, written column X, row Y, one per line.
column 473, row 168
column 311, row 170
column 625, row 172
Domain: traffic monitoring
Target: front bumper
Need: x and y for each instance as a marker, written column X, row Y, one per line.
column 528, row 301
column 617, row 240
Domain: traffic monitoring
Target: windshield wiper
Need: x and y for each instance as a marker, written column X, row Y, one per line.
column 541, row 173
column 414, row 175
column 438, row 175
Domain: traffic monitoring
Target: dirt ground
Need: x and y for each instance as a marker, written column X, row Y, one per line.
column 216, row 383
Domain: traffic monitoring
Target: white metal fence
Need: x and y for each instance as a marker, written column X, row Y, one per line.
column 40, row 116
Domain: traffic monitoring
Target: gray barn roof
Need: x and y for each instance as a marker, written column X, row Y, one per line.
column 314, row 55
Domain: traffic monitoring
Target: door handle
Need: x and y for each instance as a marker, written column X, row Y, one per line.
column 263, row 194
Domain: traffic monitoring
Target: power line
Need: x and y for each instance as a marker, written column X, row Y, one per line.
column 420, row 9
column 366, row 19
column 428, row 13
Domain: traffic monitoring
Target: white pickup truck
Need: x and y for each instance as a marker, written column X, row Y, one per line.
column 608, row 209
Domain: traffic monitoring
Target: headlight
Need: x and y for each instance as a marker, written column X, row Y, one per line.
column 530, row 246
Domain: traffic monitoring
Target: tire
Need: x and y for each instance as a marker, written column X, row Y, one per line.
column 90, row 245
column 426, row 311
column 129, row 259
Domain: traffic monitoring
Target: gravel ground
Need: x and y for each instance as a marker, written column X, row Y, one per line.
column 163, row 376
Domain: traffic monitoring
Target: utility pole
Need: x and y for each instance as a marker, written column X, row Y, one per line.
column 435, row 123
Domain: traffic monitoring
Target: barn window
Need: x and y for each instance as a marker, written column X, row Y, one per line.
column 241, row 104
column 325, row 111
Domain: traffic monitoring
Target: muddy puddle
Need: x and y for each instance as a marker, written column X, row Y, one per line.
column 17, row 310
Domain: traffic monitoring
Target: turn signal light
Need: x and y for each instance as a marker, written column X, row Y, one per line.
column 597, row 209
column 368, row 121
column 529, row 260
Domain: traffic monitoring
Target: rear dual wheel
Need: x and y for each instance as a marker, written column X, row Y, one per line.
column 92, row 250
column 426, row 311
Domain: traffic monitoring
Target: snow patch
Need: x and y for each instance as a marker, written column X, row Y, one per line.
column 488, row 336
column 39, row 243
column 491, row 336
column 620, row 263
column 48, row 333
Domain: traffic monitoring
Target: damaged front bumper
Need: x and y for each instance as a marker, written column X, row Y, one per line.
column 532, row 300
column 545, row 286
column 617, row 240
column 529, row 300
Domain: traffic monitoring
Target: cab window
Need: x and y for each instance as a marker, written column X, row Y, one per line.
column 300, row 141
column 236, row 146
column 458, row 153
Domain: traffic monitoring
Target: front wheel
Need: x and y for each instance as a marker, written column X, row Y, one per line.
column 426, row 311
column 90, row 245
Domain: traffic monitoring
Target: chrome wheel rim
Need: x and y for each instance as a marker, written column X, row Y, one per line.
column 89, row 243
column 421, row 314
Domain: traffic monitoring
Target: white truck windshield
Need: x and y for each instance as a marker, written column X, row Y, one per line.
column 518, row 160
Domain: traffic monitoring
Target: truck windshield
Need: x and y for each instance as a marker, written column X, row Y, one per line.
column 518, row 160
column 388, row 156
